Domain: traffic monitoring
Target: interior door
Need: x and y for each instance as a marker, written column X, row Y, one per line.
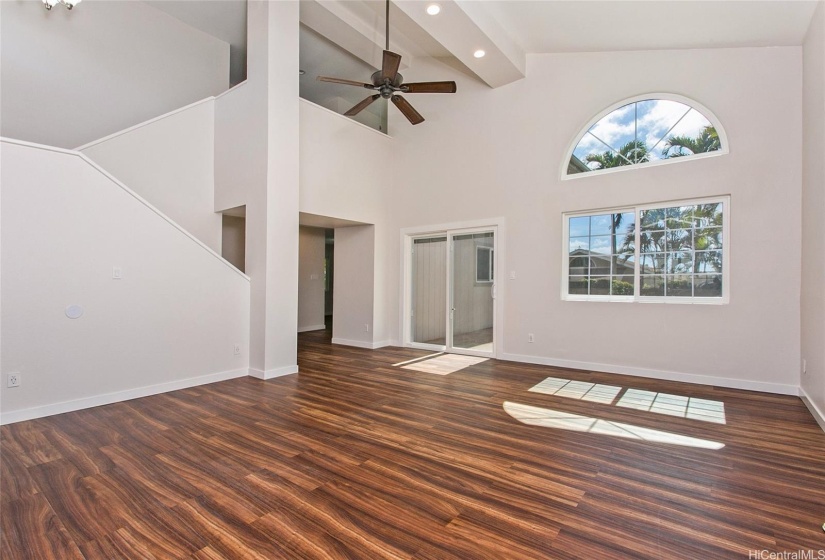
column 472, row 291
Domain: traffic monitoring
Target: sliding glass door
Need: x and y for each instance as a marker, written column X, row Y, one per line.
column 429, row 290
column 452, row 292
column 472, row 292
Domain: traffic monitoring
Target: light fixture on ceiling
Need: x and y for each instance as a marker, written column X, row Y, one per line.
column 301, row 72
column 433, row 9
column 49, row 4
column 479, row 53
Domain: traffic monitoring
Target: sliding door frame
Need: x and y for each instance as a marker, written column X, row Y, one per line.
column 495, row 225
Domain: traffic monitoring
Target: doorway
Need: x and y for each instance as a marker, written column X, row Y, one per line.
column 233, row 237
column 336, row 290
column 329, row 276
column 452, row 291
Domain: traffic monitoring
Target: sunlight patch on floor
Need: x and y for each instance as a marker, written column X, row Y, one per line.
column 419, row 359
column 445, row 364
column 545, row 417
column 649, row 401
column 579, row 390
column 674, row 405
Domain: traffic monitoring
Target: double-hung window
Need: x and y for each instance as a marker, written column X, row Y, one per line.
column 666, row 252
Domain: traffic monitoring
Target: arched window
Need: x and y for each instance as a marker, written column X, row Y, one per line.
column 644, row 131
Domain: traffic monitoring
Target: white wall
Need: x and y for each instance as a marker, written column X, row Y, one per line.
column 170, row 322
column 70, row 77
column 282, row 187
column 311, row 248
column 170, row 162
column 813, row 209
column 485, row 153
column 256, row 165
column 347, row 171
column 353, row 305
column 346, row 167
column 240, row 136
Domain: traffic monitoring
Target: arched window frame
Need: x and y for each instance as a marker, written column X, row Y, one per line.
column 707, row 113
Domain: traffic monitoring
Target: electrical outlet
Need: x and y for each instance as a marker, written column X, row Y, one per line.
column 14, row 380
column 236, row 348
column 804, row 367
column 531, row 338
column 117, row 273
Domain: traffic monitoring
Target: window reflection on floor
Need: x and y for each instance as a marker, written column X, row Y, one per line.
column 650, row 401
column 536, row 416
column 577, row 390
column 444, row 364
column 674, row 405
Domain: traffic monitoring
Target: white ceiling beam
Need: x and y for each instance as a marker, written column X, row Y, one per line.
column 465, row 26
column 338, row 23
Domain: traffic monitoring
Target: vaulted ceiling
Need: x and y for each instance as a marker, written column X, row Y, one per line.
column 508, row 30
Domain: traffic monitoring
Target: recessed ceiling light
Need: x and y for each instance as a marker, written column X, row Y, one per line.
column 479, row 53
column 433, row 9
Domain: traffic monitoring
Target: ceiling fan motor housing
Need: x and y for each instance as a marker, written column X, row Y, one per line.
column 388, row 83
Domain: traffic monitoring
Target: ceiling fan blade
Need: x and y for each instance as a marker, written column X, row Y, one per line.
column 404, row 106
column 390, row 65
column 345, row 82
column 429, row 87
column 363, row 105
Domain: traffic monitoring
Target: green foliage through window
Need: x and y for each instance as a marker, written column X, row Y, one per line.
column 643, row 132
column 674, row 251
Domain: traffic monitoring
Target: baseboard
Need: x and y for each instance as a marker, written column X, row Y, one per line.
column 273, row 373
column 312, row 328
column 818, row 415
column 362, row 343
column 118, row 396
column 761, row 386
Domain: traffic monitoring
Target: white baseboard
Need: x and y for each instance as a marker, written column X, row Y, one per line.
column 312, row 328
column 273, row 373
column 362, row 343
column 118, row 396
column 818, row 415
column 730, row 383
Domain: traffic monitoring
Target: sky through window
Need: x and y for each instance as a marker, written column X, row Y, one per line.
column 641, row 132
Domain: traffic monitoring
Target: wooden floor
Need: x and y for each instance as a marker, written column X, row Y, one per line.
column 355, row 458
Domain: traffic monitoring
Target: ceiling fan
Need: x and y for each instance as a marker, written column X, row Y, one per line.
column 388, row 83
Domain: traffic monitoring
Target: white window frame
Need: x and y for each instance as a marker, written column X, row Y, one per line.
column 695, row 105
column 490, row 268
column 636, row 297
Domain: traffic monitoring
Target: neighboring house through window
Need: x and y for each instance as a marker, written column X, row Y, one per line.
column 667, row 252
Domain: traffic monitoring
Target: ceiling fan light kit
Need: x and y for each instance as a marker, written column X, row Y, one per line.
column 388, row 84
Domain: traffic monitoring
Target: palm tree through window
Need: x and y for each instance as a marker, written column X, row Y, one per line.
column 644, row 131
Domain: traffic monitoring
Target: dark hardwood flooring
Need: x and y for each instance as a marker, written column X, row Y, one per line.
column 354, row 458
